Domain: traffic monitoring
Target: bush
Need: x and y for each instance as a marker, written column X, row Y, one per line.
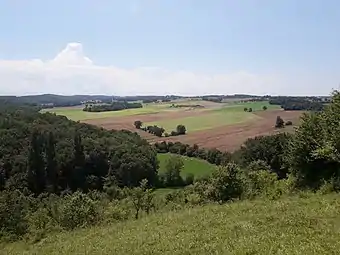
column 118, row 211
column 173, row 133
column 138, row 124
column 189, row 179
column 266, row 185
column 78, row 210
column 13, row 211
column 245, row 109
column 181, row 130
column 264, row 108
column 258, row 165
column 166, row 134
column 225, row 184
column 40, row 223
column 279, row 122
column 250, row 109
column 289, row 123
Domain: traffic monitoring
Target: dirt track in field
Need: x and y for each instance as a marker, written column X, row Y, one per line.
column 226, row 138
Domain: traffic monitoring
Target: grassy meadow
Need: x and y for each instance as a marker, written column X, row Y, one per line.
column 304, row 224
column 197, row 167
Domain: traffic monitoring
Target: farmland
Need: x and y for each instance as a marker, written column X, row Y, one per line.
column 197, row 167
column 213, row 125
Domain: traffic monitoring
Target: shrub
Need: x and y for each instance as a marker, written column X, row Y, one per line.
column 289, row 123
column 279, row 122
column 117, row 211
column 173, row 133
column 250, row 109
column 138, row 124
column 258, row 183
column 181, row 130
column 78, row 210
column 266, row 185
column 13, row 211
column 245, row 109
column 166, row 134
column 264, row 108
column 40, row 223
column 189, row 179
column 258, row 165
column 225, row 184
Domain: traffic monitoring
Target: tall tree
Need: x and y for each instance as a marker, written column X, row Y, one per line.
column 36, row 164
column 78, row 174
column 51, row 163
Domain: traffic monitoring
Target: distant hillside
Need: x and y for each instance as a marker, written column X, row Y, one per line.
column 51, row 100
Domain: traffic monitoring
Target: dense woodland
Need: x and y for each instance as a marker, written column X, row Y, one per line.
column 299, row 103
column 57, row 174
column 45, row 152
column 114, row 106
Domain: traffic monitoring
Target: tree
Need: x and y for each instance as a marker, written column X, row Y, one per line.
column 250, row 109
column 78, row 174
column 181, row 130
column 173, row 167
column 269, row 149
column 314, row 152
column 245, row 109
column 36, row 165
column 142, row 198
column 264, row 108
column 138, row 124
column 279, row 122
column 51, row 163
column 225, row 183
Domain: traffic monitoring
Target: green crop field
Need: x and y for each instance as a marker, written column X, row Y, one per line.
column 227, row 114
column 239, row 106
column 205, row 121
column 194, row 166
column 77, row 113
column 292, row 225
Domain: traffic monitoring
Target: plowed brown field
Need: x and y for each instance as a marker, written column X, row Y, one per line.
column 226, row 138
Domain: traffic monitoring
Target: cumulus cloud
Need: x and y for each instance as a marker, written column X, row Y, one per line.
column 71, row 72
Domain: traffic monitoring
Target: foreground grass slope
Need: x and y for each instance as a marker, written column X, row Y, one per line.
column 294, row 225
column 197, row 167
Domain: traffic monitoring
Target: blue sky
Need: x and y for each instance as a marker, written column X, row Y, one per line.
column 285, row 47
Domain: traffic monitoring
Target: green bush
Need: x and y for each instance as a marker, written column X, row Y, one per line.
column 13, row 211
column 189, row 179
column 265, row 184
column 40, row 223
column 78, row 210
column 225, row 184
column 118, row 211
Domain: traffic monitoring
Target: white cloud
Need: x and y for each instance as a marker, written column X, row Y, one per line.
column 71, row 72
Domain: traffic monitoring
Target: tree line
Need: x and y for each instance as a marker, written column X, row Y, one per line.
column 159, row 131
column 298, row 103
column 114, row 106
